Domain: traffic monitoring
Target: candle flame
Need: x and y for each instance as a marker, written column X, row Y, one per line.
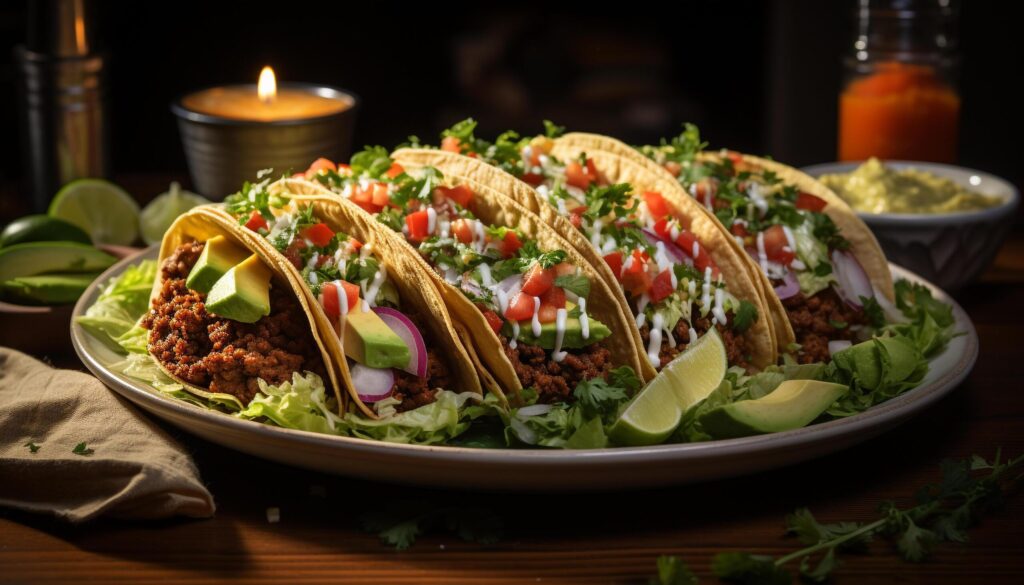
column 267, row 86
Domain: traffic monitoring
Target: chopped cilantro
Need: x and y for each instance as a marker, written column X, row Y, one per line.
column 577, row 284
column 32, row 447
column 82, row 449
column 744, row 317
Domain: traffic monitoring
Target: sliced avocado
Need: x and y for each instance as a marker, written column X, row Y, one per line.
column 218, row 256
column 36, row 258
column 571, row 339
column 794, row 404
column 369, row 341
column 42, row 228
column 243, row 293
column 48, row 289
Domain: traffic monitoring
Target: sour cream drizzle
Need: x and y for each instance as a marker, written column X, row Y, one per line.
column 535, row 322
column 654, row 345
column 762, row 257
column 584, row 323
column 557, row 354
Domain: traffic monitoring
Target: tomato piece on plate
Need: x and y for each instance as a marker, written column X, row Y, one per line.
column 319, row 234
column 394, row 170
column 661, row 287
column 418, row 223
column 656, row 204
column 810, row 202
column 614, row 262
column 451, row 144
column 256, row 221
column 493, row 320
column 537, row 280
column 520, row 307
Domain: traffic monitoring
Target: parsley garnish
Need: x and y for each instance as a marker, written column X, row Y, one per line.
column 744, row 317
column 82, row 449
column 372, row 160
column 400, row 523
column 552, row 130
column 31, row 446
column 577, row 284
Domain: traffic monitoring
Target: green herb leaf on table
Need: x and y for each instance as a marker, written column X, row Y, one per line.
column 400, row 523
column 672, row 571
column 83, row 450
column 32, row 447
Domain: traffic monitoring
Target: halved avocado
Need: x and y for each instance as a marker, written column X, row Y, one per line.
column 794, row 404
column 243, row 293
column 218, row 256
column 36, row 258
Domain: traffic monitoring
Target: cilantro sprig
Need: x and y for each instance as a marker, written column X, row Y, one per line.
column 399, row 524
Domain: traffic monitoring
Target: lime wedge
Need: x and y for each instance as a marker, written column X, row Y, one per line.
column 685, row 381
column 161, row 212
column 104, row 210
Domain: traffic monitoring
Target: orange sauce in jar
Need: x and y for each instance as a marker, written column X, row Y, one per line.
column 901, row 111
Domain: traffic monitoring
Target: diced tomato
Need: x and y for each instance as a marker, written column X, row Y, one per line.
column 369, row 207
column 256, row 221
column 319, row 234
column 320, row 164
column 520, row 307
column 614, row 262
column 533, row 178
column 703, row 259
column 460, row 194
column 462, row 229
column 580, row 176
column 394, row 170
column 656, row 204
column 662, row 286
column 738, row 229
column 538, row 280
column 636, row 283
column 380, row 195
column 810, row 202
column 510, row 244
column 576, row 216
column 661, row 227
column 418, row 223
column 774, row 242
column 704, row 193
column 451, row 144
column 736, row 158
column 673, row 167
column 329, row 297
column 555, row 297
column 546, row 313
column 294, row 252
column 563, row 268
column 494, row 321
column 355, row 244
column 360, row 195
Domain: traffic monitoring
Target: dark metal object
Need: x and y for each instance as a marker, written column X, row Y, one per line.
column 62, row 102
column 222, row 153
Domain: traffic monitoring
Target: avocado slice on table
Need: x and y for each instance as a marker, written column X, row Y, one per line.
column 48, row 289
column 218, row 256
column 368, row 340
column 34, row 258
column 243, row 293
column 794, row 404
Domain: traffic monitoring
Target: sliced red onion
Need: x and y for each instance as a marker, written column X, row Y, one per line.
column 671, row 248
column 511, row 282
column 852, row 282
column 406, row 329
column 534, row 410
column 838, row 345
column 789, row 287
column 372, row 384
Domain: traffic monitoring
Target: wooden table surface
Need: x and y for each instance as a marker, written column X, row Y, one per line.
column 594, row 538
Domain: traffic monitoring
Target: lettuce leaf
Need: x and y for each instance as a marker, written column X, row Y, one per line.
column 123, row 300
column 876, row 370
column 431, row 424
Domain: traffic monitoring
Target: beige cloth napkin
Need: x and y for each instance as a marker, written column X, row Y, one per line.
column 135, row 470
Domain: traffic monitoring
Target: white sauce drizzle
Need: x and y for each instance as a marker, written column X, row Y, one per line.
column 718, row 311
column 705, row 297
column 557, row 354
column 515, row 335
column 595, row 233
column 762, row 257
column 654, row 345
column 431, row 220
column 485, row 275
column 584, row 322
column 535, row 322
column 370, row 292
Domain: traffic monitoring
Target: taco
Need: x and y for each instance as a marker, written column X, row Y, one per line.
column 225, row 318
column 820, row 263
column 534, row 311
column 674, row 275
column 391, row 339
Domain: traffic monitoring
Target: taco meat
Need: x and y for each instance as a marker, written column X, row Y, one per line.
column 555, row 381
column 223, row 355
column 818, row 319
column 414, row 391
column 735, row 343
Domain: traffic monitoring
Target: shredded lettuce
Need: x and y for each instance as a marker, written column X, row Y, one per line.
column 812, row 252
column 124, row 299
column 431, row 424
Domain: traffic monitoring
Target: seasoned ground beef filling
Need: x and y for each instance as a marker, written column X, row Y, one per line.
column 415, row 392
column 555, row 381
column 736, row 351
column 819, row 319
column 220, row 354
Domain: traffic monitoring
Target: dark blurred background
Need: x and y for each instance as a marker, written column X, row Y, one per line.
column 757, row 76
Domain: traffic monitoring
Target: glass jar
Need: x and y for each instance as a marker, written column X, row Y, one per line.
column 899, row 99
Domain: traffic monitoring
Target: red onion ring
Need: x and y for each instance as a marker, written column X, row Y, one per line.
column 671, row 248
column 790, row 286
column 372, row 384
column 852, row 282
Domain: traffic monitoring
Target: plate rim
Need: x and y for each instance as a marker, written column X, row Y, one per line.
column 881, row 416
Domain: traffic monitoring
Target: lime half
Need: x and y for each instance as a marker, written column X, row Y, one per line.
column 161, row 212
column 684, row 382
column 104, row 210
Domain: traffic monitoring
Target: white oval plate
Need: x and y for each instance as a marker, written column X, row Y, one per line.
column 532, row 469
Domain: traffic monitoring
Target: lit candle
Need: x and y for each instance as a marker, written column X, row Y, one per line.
column 267, row 103
column 232, row 132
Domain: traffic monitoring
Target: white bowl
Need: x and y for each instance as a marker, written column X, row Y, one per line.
column 949, row 249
